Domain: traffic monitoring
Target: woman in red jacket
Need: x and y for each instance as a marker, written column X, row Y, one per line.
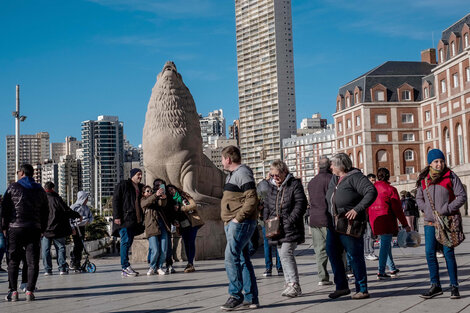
column 383, row 214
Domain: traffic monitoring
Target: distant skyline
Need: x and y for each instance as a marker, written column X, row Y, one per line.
column 79, row 59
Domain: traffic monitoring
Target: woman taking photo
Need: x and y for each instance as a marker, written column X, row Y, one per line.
column 349, row 194
column 383, row 214
column 189, row 223
column 286, row 198
column 441, row 189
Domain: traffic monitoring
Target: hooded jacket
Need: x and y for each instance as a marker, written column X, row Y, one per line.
column 292, row 205
column 354, row 192
column 153, row 207
column 317, row 189
column 447, row 193
column 58, row 225
column 25, row 205
column 82, row 209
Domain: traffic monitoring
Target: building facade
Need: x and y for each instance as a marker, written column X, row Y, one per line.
column 103, row 157
column 214, row 152
column 302, row 153
column 34, row 150
column 212, row 127
column 69, row 147
column 49, row 173
column 266, row 89
column 233, row 131
column 68, row 170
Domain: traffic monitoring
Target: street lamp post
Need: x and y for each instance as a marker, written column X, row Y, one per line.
column 18, row 118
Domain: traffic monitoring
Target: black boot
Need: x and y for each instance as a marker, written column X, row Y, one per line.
column 435, row 290
column 454, row 292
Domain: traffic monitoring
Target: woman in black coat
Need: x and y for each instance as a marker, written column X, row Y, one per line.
column 286, row 199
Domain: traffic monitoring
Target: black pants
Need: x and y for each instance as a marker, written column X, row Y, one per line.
column 23, row 241
column 77, row 247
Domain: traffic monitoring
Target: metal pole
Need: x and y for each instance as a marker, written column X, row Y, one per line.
column 96, row 175
column 17, row 132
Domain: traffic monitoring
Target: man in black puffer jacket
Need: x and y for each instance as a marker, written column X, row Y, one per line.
column 24, row 214
column 128, row 216
column 58, row 227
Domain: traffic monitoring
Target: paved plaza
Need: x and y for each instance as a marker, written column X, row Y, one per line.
column 206, row 289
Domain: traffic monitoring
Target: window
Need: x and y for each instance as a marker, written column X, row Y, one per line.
column 359, row 139
column 408, row 137
column 405, row 95
column 358, row 120
column 466, row 40
column 348, row 123
column 382, row 137
column 428, row 135
column 341, row 144
column 426, row 92
column 443, row 86
column 441, row 55
column 467, row 72
column 409, row 170
column 379, row 95
column 455, row 78
column 453, row 48
column 409, row 155
column 381, row 156
column 360, row 157
column 348, row 101
column 350, row 143
column 407, row 118
column 381, row 118
column 427, row 115
column 356, row 100
column 460, row 144
column 340, row 126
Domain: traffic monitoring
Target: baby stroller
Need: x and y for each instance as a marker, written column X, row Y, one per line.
column 87, row 266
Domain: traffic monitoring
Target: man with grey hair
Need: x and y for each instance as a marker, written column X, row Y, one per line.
column 317, row 188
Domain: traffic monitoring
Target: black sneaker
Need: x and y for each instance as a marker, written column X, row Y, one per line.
column 268, row 272
column 383, row 276
column 232, row 304
column 454, row 292
column 394, row 273
column 280, row 272
column 435, row 290
column 339, row 293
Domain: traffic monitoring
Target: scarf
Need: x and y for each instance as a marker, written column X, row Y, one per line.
column 434, row 174
column 177, row 197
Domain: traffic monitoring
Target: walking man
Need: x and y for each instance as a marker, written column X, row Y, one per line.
column 24, row 215
column 58, row 227
column 78, row 231
column 368, row 236
column 128, row 216
column 239, row 211
column 317, row 188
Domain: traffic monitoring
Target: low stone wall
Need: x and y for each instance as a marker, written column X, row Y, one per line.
column 94, row 247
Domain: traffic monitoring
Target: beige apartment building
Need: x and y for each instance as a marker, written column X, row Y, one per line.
column 266, row 88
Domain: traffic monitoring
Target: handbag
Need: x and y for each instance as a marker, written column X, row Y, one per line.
column 343, row 225
column 183, row 220
column 273, row 225
column 449, row 230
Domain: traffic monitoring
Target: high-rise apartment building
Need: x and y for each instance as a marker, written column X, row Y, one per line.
column 212, row 127
column 69, row 178
column 49, row 173
column 69, row 147
column 34, row 150
column 103, row 157
column 233, row 131
column 266, row 89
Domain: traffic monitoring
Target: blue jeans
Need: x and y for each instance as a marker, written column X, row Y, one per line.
column 385, row 254
column 238, row 266
column 59, row 244
column 433, row 264
column 268, row 253
column 335, row 245
column 189, row 239
column 3, row 247
column 158, row 248
column 127, row 238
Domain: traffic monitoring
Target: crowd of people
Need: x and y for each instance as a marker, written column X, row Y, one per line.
column 347, row 211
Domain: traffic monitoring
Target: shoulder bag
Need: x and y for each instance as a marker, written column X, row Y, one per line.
column 343, row 225
column 449, row 230
column 273, row 225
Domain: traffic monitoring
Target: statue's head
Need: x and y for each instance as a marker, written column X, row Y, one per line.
column 170, row 76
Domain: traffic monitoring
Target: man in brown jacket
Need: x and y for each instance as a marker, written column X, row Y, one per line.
column 239, row 210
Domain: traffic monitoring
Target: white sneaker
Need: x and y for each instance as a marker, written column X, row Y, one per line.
column 371, row 257
column 151, row 272
column 161, row 272
column 439, row 254
column 325, row 283
column 130, row 271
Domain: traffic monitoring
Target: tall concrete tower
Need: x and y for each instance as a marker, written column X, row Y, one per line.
column 266, row 88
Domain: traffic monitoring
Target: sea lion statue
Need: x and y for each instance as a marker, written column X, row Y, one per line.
column 172, row 142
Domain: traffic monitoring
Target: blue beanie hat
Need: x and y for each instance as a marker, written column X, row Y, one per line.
column 435, row 154
column 135, row 171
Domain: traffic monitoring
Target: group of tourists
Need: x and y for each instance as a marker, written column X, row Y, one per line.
column 158, row 211
column 343, row 204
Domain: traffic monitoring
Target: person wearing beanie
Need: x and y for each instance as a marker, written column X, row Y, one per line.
column 439, row 187
column 128, row 216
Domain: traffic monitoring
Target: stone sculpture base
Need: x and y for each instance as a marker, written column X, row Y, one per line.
column 210, row 244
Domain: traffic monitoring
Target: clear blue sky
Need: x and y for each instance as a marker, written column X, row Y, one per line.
column 79, row 59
